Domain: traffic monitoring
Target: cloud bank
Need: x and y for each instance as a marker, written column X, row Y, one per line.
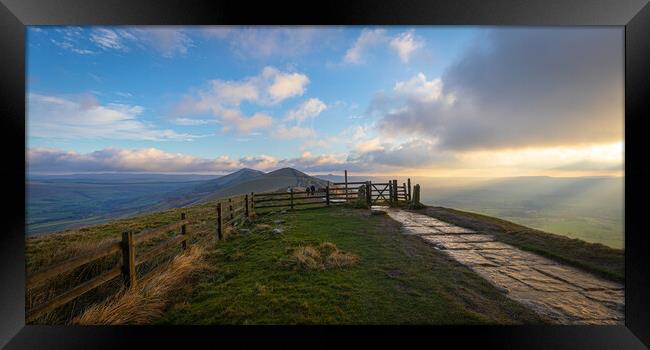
column 514, row 88
column 83, row 117
column 223, row 98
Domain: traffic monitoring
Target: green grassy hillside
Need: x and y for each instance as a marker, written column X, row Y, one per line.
column 253, row 278
column 396, row 279
column 377, row 275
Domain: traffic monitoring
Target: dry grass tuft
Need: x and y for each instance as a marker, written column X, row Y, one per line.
column 306, row 257
column 341, row 259
column 145, row 302
column 324, row 256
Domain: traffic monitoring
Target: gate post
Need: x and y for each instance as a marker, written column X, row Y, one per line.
column 369, row 193
column 408, row 181
column 395, row 197
column 327, row 196
column 291, row 198
column 346, row 186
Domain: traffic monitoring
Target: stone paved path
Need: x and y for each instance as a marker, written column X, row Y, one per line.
column 562, row 293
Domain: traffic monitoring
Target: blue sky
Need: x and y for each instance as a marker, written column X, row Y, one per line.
column 424, row 100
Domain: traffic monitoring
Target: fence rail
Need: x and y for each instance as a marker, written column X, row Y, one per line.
column 336, row 193
column 231, row 212
column 127, row 268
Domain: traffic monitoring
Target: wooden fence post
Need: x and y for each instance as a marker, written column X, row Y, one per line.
column 415, row 203
column 128, row 259
column 404, row 187
column 183, row 232
column 327, row 195
column 369, row 193
column 219, row 222
column 246, row 198
column 232, row 216
column 346, row 186
column 252, row 202
column 408, row 181
column 395, row 195
column 291, row 198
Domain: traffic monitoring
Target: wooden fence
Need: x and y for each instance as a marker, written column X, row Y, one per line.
column 292, row 199
column 127, row 268
column 388, row 193
column 231, row 212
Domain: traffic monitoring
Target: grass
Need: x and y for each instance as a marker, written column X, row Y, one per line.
column 145, row 302
column 594, row 257
column 354, row 269
column 43, row 251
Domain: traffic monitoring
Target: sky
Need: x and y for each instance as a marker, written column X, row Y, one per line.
column 392, row 100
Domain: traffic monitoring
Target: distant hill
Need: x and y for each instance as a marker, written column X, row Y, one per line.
column 204, row 190
column 276, row 180
column 58, row 202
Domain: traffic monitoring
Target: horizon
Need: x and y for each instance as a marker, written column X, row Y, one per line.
column 312, row 174
column 474, row 102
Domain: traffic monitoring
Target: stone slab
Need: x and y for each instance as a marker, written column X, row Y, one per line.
column 564, row 294
column 577, row 278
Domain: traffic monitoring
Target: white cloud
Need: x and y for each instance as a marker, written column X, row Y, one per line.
column 308, row 109
column 85, row 117
column 234, row 119
column 405, row 44
column 261, row 162
column 516, row 88
column 192, row 121
column 369, row 146
column 284, row 85
column 68, row 45
column 421, row 89
column 266, row 42
column 223, row 98
column 46, row 160
column 131, row 160
column 295, row 132
column 107, row 39
column 234, row 92
column 310, row 162
column 368, row 38
column 167, row 41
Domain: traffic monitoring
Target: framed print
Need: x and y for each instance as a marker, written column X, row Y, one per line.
column 468, row 172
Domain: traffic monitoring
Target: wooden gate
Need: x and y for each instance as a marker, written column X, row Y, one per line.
column 380, row 193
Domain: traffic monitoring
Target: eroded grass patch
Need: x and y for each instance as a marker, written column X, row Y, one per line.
column 324, row 256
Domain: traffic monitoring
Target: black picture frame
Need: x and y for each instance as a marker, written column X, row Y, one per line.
column 633, row 14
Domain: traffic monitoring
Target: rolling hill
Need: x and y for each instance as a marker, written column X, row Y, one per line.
column 56, row 203
column 276, row 180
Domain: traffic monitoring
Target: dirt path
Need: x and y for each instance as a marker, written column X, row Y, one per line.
column 559, row 292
